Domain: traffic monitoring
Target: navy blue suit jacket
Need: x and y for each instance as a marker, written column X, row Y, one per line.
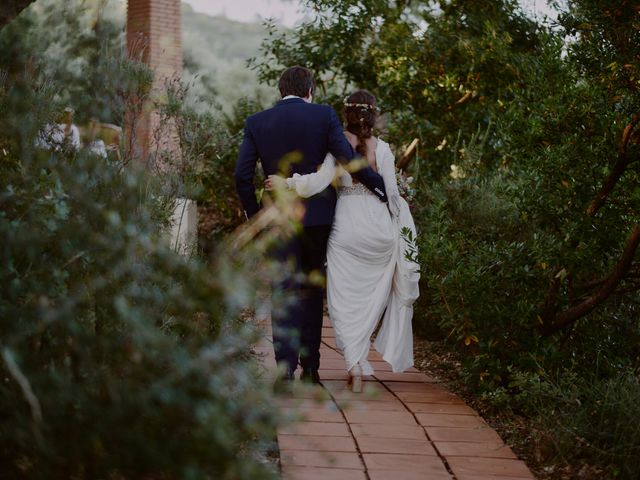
column 294, row 137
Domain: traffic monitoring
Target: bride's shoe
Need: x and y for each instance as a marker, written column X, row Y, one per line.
column 355, row 378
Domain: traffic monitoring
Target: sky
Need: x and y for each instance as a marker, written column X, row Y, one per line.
column 288, row 12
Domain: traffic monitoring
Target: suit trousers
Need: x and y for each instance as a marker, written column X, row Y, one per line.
column 298, row 298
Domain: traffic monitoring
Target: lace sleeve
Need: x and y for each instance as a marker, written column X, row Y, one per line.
column 388, row 173
column 314, row 183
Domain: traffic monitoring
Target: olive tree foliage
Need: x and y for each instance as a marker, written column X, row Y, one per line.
column 118, row 357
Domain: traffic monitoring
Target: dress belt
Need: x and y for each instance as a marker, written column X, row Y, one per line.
column 356, row 189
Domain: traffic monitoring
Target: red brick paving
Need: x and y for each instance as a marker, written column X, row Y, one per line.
column 402, row 427
column 500, row 467
column 387, row 431
column 379, row 416
column 316, row 428
column 319, row 414
column 406, row 475
column 403, row 462
column 453, row 434
column 471, row 449
column 440, row 408
column 318, row 458
column 311, row 473
column 448, row 420
column 395, row 445
column 317, row 442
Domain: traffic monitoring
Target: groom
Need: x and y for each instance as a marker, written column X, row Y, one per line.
column 295, row 125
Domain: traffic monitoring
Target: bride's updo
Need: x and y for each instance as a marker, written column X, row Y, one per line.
column 360, row 114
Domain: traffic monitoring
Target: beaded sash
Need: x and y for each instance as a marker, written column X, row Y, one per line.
column 357, row 189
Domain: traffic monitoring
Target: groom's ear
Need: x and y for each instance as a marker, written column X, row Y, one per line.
column 310, row 94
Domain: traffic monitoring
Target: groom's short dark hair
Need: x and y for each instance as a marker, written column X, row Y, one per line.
column 296, row 81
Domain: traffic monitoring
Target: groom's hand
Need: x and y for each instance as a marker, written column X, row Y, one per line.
column 275, row 182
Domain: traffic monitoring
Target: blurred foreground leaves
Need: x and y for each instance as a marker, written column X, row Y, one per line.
column 119, row 358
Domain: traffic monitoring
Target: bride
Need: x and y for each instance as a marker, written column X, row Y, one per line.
column 369, row 276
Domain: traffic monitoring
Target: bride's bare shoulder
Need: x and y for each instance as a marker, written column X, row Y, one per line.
column 351, row 138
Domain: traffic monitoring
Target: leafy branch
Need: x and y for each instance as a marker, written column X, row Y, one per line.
column 411, row 241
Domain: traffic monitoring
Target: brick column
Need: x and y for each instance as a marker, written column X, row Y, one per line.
column 154, row 37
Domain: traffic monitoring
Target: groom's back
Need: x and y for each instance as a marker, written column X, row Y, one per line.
column 294, row 137
column 291, row 137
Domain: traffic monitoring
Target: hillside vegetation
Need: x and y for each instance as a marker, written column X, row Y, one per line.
column 216, row 51
column 67, row 38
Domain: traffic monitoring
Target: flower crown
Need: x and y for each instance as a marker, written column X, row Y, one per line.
column 360, row 105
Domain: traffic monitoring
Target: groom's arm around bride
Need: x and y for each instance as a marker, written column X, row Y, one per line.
column 296, row 125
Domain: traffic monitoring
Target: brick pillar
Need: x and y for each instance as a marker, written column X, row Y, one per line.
column 154, row 37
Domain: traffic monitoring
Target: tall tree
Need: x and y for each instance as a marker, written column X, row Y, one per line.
column 439, row 67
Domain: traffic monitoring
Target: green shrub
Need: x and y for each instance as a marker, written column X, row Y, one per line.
column 219, row 202
column 480, row 259
column 119, row 358
column 590, row 416
column 114, row 356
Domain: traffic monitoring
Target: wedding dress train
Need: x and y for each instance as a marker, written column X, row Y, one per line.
column 368, row 276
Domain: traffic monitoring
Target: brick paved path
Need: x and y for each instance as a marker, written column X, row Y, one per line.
column 402, row 427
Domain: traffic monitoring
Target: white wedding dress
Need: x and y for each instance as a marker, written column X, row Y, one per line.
column 368, row 276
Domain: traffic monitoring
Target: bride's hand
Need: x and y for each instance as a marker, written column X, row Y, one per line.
column 275, row 182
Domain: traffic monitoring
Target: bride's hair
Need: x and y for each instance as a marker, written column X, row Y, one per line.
column 360, row 114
